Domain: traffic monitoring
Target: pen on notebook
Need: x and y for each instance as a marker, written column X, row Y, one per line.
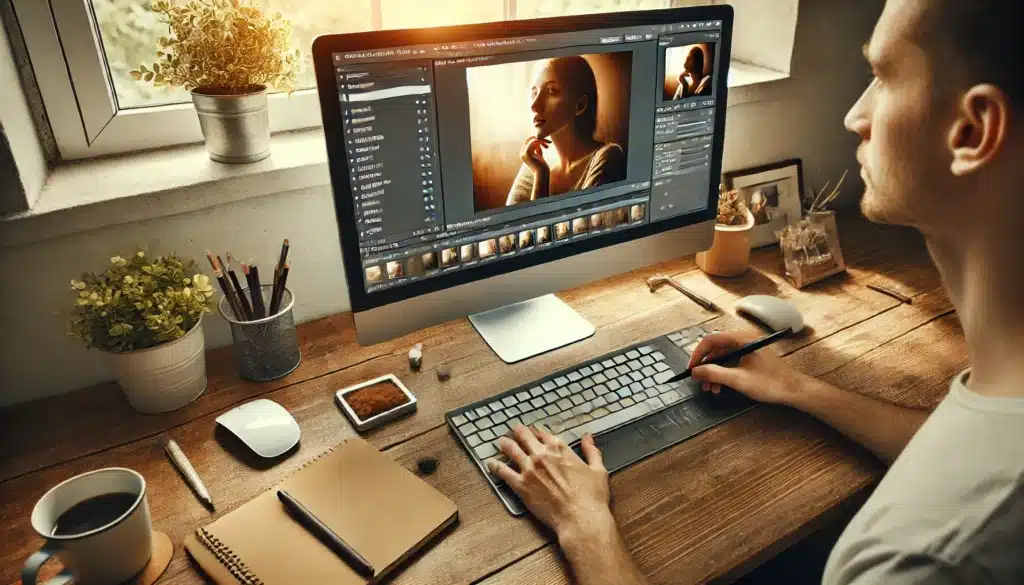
column 324, row 534
column 184, row 466
column 239, row 291
column 736, row 354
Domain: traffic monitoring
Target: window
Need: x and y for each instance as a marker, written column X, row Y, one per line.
column 82, row 51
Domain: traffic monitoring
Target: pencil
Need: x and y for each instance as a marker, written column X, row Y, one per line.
column 225, row 287
column 735, row 356
column 252, row 276
column 239, row 291
column 276, row 293
column 275, row 303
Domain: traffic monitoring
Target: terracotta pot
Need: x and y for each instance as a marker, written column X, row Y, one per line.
column 730, row 252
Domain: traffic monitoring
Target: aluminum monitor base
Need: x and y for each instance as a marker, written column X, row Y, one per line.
column 522, row 330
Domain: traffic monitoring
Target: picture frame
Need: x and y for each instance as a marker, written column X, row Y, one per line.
column 773, row 193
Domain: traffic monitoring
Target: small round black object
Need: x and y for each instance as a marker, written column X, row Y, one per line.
column 427, row 466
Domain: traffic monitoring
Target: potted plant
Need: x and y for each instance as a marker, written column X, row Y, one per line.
column 226, row 53
column 147, row 315
column 730, row 252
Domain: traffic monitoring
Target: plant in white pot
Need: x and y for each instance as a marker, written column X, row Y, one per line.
column 147, row 315
column 227, row 53
column 729, row 254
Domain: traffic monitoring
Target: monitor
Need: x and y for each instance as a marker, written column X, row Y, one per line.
column 476, row 168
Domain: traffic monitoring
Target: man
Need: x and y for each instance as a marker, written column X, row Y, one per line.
column 942, row 129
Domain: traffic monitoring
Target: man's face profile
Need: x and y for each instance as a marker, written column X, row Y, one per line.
column 900, row 121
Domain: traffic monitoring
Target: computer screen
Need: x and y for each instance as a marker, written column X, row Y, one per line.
column 465, row 152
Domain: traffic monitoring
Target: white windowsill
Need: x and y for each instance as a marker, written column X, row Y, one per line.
column 93, row 194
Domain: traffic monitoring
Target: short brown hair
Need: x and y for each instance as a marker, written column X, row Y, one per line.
column 982, row 37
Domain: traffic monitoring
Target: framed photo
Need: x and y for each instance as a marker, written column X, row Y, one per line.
column 774, row 194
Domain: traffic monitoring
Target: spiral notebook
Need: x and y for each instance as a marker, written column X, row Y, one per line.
column 380, row 509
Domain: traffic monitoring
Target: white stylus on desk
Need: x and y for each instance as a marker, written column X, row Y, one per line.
column 187, row 471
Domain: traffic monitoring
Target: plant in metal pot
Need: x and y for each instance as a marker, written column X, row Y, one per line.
column 146, row 314
column 729, row 254
column 227, row 53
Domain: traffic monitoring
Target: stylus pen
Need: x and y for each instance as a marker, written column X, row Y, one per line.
column 324, row 534
column 735, row 356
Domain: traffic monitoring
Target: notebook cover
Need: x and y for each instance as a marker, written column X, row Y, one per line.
column 381, row 510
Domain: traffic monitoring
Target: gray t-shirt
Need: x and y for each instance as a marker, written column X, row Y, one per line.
column 951, row 508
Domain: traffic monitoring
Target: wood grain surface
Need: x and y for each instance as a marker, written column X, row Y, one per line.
column 708, row 509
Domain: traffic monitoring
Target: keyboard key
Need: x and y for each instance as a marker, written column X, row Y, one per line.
column 510, row 401
column 622, row 370
column 658, row 356
column 635, row 366
column 564, row 404
column 614, row 385
column 496, row 406
column 627, row 402
column 540, row 390
column 648, row 383
column 575, row 387
column 600, row 412
column 531, row 417
column 661, row 366
column 468, row 429
column 582, row 408
column 483, row 411
column 624, row 393
column 662, row 377
column 600, row 401
column 636, row 376
column 550, row 397
column 499, row 417
column 647, row 360
column 614, row 406
column 563, row 392
column 514, row 422
column 552, row 409
column 608, row 363
column 587, row 370
column 538, row 402
column 625, row 380
column 459, row 420
column 470, row 415
column 654, row 403
column 523, row 396
column 619, row 359
column 484, row 422
column 646, row 349
column 512, row 411
column 632, row 354
column 474, row 440
column 675, row 336
column 636, row 387
column 485, row 450
column 501, row 430
column 589, row 395
column 648, row 371
column 487, row 435
column 601, row 389
column 670, row 397
column 600, row 378
column 574, row 376
column 577, row 399
column 587, row 383
column 561, row 381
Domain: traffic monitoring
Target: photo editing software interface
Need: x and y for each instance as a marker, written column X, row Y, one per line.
column 465, row 154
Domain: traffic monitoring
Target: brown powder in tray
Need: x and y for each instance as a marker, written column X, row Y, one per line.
column 372, row 400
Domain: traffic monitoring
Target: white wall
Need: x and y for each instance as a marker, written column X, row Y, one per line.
column 799, row 117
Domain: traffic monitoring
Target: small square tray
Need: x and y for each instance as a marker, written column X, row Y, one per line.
column 377, row 420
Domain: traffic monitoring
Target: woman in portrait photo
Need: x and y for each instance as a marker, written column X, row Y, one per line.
column 563, row 99
column 693, row 80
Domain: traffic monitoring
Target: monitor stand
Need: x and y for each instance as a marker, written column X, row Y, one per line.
column 522, row 330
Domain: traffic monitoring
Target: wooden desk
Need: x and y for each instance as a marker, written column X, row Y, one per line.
column 711, row 508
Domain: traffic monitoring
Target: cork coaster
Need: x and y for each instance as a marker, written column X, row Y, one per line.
column 163, row 550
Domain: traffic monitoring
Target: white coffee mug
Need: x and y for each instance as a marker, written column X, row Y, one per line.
column 106, row 555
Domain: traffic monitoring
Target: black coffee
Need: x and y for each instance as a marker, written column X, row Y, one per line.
column 93, row 513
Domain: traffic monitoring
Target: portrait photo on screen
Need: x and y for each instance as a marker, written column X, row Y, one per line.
column 549, row 127
column 689, row 71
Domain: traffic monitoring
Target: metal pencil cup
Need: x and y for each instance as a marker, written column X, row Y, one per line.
column 268, row 348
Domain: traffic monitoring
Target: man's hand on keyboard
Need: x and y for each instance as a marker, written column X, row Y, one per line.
column 559, row 488
column 761, row 375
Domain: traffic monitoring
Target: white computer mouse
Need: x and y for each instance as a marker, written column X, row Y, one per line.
column 263, row 425
column 774, row 312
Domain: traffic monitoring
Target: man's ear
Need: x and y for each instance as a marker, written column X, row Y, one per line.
column 979, row 132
